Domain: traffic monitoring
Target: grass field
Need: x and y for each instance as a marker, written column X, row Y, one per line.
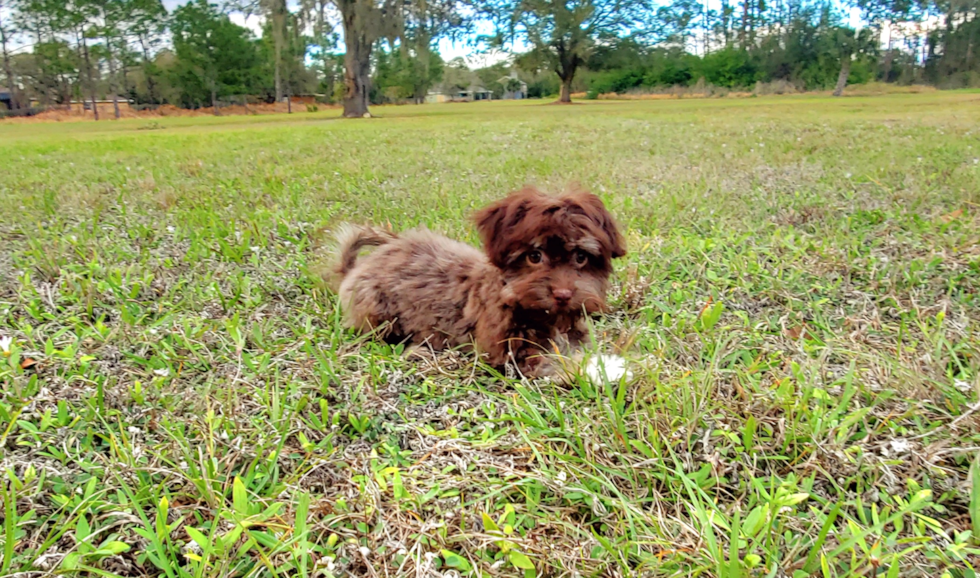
column 799, row 307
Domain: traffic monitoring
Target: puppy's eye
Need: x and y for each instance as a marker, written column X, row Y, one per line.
column 534, row 257
column 581, row 257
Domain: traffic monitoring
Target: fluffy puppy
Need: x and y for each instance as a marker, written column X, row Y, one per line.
column 545, row 265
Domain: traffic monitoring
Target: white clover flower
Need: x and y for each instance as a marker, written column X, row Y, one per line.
column 610, row 367
column 5, row 344
column 163, row 372
column 900, row 445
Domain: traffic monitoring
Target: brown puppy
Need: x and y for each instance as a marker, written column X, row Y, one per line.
column 546, row 266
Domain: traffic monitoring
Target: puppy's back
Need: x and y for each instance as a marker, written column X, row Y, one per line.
column 418, row 285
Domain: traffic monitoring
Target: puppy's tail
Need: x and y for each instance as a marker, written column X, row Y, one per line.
column 350, row 240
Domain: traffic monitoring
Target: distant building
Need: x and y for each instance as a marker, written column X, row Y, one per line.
column 435, row 96
column 474, row 92
column 514, row 88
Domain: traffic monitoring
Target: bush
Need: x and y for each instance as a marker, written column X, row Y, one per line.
column 544, row 86
column 730, row 68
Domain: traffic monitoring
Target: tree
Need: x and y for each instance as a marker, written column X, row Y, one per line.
column 882, row 15
column 50, row 73
column 419, row 22
column 77, row 17
column 277, row 14
column 314, row 15
column 846, row 44
column 111, row 14
column 425, row 22
column 400, row 75
column 6, row 32
column 215, row 57
column 563, row 33
column 457, row 76
column 40, row 21
column 51, row 22
column 147, row 22
column 675, row 22
column 364, row 22
column 951, row 60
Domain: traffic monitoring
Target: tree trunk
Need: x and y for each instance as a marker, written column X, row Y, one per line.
column 845, row 71
column 214, row 100
column 566, row 91
column 423, row 55
column 278, row 73
column 150, row 84
column 112, row 78
column 45, row 96
column 745, row 22
column 566, row 73
column 278, row 40
column 889, row 55
column 724, row 22
column 278, row 79
column 89, row 73
column 357, row 63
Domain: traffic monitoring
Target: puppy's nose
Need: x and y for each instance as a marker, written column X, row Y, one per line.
column 562, row 296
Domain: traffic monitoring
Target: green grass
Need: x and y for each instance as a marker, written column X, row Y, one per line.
column 799, row 307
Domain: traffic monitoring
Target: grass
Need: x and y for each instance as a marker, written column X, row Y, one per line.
column 799, row 308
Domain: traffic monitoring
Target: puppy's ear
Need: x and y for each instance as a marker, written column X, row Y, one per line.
column 489, row 223
column 496, row 221
column 596, row 211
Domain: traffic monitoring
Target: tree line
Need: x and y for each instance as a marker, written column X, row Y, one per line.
column 360, row 52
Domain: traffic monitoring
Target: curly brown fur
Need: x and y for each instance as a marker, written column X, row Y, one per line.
column 351, row 239
column 546, row 265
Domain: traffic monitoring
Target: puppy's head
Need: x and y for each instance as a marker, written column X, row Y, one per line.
column 556, row 252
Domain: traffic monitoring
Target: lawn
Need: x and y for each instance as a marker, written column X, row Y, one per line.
column 799, row 307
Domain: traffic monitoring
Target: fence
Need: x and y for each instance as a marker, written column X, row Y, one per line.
column 30, row 111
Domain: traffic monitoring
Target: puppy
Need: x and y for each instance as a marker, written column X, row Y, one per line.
column 545, row 266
